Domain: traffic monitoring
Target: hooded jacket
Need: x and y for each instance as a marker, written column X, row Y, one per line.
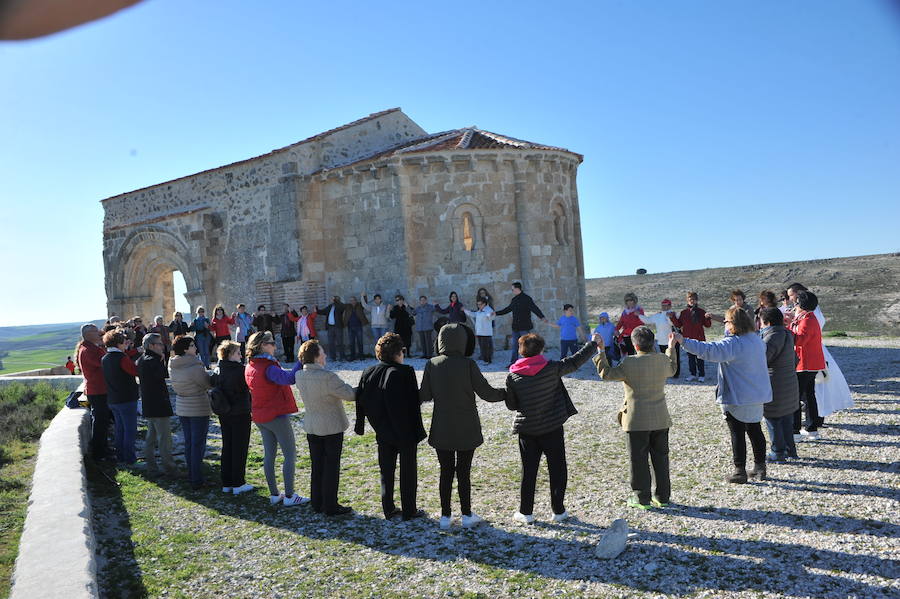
column 389, row 397
column 781, row 360
column 534, row 389
column 451, row 380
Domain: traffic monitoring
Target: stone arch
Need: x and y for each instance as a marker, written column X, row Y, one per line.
column 140, row 273
column 468, row 227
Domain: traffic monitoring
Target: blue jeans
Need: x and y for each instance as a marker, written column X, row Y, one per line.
column 566, row 346
column 781, row 435
column 378, row 332
column 126, row 430
column 201, row 340
column 195, row 429
column 515, row 345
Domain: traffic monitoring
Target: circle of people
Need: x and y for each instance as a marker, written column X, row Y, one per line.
column 768, row 364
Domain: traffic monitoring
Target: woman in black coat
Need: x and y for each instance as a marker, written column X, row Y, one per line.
column 534, row 389
column 156, row 406
column 388, row 395
column 235, row 425
column 403, row 321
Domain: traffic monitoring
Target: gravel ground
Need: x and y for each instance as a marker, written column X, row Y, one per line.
column 825, row 526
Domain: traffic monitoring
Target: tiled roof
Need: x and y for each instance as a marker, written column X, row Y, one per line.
column 468, row 138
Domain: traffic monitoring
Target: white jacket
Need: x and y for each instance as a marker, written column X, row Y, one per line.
column 482, row 320
column 378, row 312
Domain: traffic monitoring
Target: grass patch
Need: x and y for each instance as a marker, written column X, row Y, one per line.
column 835, row 334
column 24, row 414
column 20, row 360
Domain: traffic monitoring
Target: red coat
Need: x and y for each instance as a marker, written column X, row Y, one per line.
column 310, row 322
column 89, row 357
column 220, row 326
column 70, row 366
column 629, row 322
column 267, row 399
column 690, row 328
column 808, row 342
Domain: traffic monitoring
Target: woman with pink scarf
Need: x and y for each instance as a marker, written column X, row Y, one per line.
column 534, row 390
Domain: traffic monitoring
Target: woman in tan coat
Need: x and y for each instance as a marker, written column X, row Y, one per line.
column 323, row 394
column 190, row 381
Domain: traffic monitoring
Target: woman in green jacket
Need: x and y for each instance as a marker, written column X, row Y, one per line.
column 451, row 380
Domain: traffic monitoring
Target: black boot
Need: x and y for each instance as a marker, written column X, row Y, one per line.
column 758, row 472
column 739, row 476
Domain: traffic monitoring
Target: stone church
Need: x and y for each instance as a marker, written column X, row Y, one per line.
column 378, row 205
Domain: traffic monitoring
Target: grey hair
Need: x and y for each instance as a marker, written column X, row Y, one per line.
column 642, row 338
column 150, row 339
column 87, row 326
column 158, row 318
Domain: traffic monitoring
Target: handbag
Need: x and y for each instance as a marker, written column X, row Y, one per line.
column 218, row 401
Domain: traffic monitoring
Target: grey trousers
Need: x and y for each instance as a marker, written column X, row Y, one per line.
column 159, row 436
column 274, row 433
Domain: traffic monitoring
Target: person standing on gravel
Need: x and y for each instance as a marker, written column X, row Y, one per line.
column 451, row 380
column 743, row 388
column 522, row 307
column 644, row 415
column 810, row 361
column 692, row 320
column 663, row 321
column 779, row 412
column 535, row 391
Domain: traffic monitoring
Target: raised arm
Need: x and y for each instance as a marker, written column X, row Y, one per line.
column 574, row 362
column 482, row 388
column 276, row 374
column 718, row 351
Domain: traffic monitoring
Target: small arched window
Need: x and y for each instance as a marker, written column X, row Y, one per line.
column 468, row 231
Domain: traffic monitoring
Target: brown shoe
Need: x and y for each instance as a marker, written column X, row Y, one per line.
column 739, row 476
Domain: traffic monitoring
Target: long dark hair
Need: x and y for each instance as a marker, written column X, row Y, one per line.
column 452, row 293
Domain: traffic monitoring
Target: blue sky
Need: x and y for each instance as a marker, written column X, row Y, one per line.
column 714, row 133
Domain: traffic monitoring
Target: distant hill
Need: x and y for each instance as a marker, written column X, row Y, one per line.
column 858, row 294
column 41, row 336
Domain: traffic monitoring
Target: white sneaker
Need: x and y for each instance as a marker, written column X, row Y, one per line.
column 520, row 517
column 471, row 520
column 445, row 522
column 561, row 517
column 242, row 489
column 295, row 500
column 276, row 499
column 806, row 435
column 690, row 378
column 701, row 379
column 226, row 489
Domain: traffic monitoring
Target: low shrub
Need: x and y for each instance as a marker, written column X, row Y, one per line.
column 24, row 412
column 835, row 334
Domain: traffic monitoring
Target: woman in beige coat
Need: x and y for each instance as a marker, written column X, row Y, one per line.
column 190, row 381
column 323, row 393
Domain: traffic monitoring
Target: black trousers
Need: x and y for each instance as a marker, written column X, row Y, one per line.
column 387, row 463
column 335, row 342
column 235, row 442
column 531, row 448
column 662, row 350
column 288, row 344
column 486, row 347
column 654, row 444
column 100, row 419
column 807, row 382
column 739, row 444
column 458, row 463
column 325, row 470
column 355, row 336
column 629, row 346
column 696, row 365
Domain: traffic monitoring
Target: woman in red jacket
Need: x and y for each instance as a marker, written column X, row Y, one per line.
column 629, row 321
column 220, row 329
column 810, row 360
column 271, row 400
column 692, row 321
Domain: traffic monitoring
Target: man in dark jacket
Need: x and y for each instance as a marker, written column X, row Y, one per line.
column 156, row 405
column 263, row 320
column 334, row 325
column 781, row 359
column 289, row 320
column 521, row 307
column 354, row 320
column 534, row 389
column 388, row 396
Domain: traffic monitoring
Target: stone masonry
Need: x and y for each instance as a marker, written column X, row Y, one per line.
column 377, row 205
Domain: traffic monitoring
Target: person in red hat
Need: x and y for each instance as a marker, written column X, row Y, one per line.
column 664, row 322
